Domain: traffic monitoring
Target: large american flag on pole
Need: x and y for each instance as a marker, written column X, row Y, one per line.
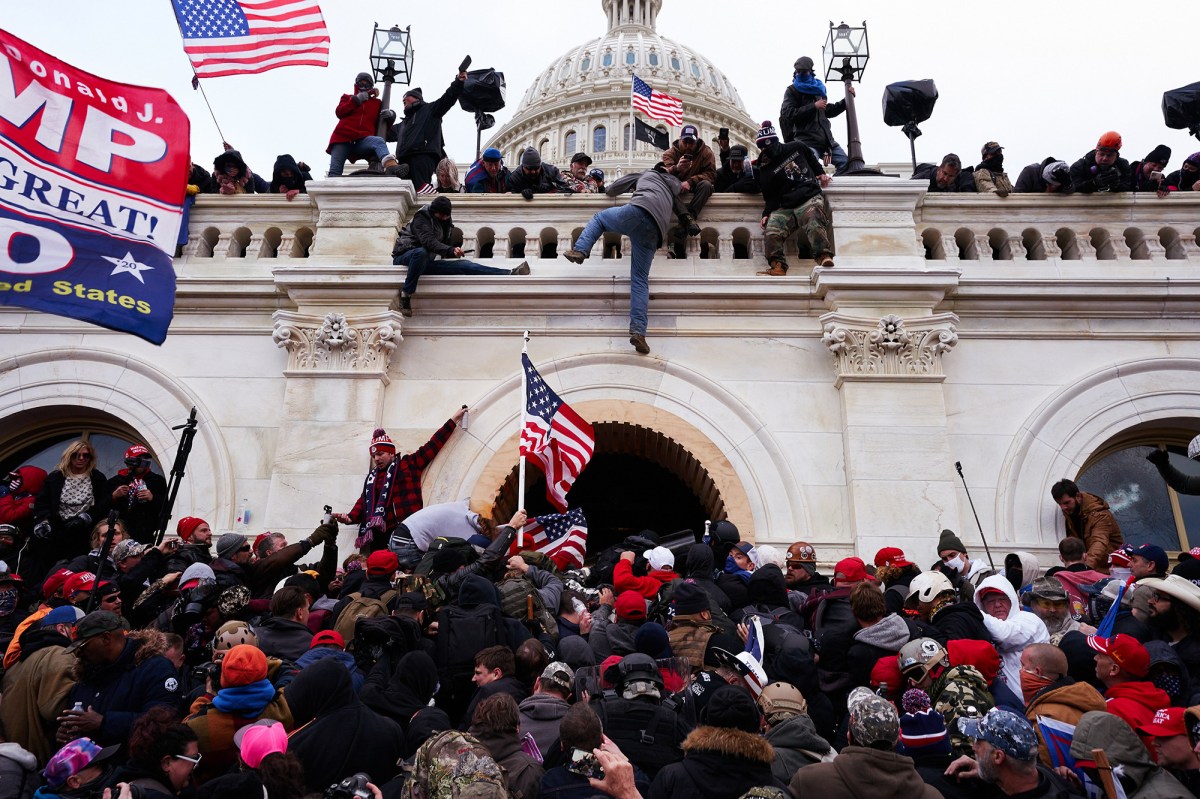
column 228, row 37
column 656, row 105
column 562, row 537
column 559, row 438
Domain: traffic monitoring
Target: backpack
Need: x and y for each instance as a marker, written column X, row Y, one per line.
column 422, row 584
column 520, row 600
column 425, row 567
column 454, row 765
column 464, row 631
column 360, row 606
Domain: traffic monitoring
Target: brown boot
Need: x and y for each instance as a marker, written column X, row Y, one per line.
column 776, row 268
column 824, row 259
column 639, row 343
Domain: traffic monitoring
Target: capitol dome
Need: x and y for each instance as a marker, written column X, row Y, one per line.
column 581, row 101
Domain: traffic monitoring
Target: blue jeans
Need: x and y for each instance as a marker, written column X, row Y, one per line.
column 420, row 262
column 837, row 156
column 643, row 233
column 371, row 148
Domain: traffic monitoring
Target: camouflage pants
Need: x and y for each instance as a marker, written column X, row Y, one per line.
column 809, row 218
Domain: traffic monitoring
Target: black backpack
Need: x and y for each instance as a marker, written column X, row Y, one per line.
column 651, row 734
column 464, row 631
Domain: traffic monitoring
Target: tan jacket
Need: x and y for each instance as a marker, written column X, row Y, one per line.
column 989, row 182
column 35, row 692
column 1101, row 534
column 1067, row 704
column 703, row 167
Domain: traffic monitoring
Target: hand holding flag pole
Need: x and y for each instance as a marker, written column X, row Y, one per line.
column 520, row 429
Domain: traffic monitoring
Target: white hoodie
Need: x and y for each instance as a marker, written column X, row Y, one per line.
column 1013, row 634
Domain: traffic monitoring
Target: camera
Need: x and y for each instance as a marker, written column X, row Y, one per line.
column 206, row 672
column 585, row 764
column 353, row 787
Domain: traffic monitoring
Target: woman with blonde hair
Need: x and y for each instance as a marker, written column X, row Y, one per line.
column 72, row 500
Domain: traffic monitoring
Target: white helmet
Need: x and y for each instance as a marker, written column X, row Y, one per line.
column 920, row 656
column 928, row 586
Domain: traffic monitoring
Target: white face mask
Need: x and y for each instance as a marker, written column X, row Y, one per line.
column 957, row 563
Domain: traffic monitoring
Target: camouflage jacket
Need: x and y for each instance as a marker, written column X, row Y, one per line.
column 454, row 765
column 961, row 692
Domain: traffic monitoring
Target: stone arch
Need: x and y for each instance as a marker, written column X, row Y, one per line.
column 143, row 394
column 745, row 464
column 1065, row 430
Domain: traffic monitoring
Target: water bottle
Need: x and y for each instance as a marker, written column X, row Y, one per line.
column 77, row 707
column 464, row 417
column 243, row 515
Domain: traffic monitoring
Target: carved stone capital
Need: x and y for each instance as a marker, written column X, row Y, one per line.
column 334, row 346
column 890, row 348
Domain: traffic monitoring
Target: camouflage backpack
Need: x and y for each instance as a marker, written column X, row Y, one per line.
column 453, row 765
column 520, row 600
column 422, row 584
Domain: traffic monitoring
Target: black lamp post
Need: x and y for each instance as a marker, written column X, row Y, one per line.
column 845, row 52
column 391, row 61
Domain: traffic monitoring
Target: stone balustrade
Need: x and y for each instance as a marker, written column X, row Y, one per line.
column 250, row 227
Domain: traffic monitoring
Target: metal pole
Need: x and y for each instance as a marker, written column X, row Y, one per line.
column 381, row 126
column 521, row 427
column 177, row 471
column 958, row 466
column 853, row 145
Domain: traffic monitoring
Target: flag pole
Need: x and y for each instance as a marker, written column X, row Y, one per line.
column 521, row 423
column 632, row 124
column 196, row 84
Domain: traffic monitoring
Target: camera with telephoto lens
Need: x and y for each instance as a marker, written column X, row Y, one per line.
column 353, row 787
column 207, row 672
column 193, row 603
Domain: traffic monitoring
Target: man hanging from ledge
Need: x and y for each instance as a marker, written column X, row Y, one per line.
column 791, row 179
column 392, row 490
column 426, row 238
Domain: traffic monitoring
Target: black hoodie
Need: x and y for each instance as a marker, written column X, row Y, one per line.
column 296, row 181
column 699, row 567
column 404, row 691
column 336, row 735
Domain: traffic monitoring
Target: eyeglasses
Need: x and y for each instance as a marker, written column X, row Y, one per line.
column 195, row 761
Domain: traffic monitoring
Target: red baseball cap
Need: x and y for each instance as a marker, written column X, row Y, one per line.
column 382, row 562
column 137, row 451
column 630, row 605
column 328, row 638
column 1125, row 650
column 80, row 581
column 1168, row 722
column 851, row 570
column 891, row 556
column 55, row 582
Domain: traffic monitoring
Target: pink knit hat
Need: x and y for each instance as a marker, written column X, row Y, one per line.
column 260, row 739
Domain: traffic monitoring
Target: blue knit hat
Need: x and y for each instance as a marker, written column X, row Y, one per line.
column 922, row 729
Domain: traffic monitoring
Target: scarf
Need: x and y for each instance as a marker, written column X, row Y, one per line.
column 731, row 567
column 812, row 86
column 8, row 602
column 377, row 492
column 245, row 700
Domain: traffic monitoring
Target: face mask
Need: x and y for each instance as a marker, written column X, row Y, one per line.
column 1168, row 682
column 956, row 563
column 1032, row 683
column 8, row 602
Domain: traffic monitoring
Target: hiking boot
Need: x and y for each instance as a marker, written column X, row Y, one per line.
column 574, row 256
column 374, row 168
column 775, row 269
column 639, row 343
column 824, row 259
column 397, row 170
column 405, row 305
column 523, row 269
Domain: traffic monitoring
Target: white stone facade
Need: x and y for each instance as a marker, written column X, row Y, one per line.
column 1014, row 335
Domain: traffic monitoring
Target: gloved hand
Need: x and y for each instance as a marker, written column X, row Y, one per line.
column 693, row 229
column 361, row 97
column 303, row 167
column 527, row 194
column 1108, row 178
column 323, row 533
column 1158, row 457
column 41, row 530
column 387, row 116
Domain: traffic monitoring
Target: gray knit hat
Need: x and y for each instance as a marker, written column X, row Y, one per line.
column 950, row 541
column 229, row 543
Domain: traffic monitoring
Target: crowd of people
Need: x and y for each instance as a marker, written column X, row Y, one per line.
column 441, row 659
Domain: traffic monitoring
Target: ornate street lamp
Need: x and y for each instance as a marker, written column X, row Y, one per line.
column 845, row 52
column 391, row 61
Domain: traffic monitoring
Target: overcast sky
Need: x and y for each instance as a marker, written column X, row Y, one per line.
column 1044, row 78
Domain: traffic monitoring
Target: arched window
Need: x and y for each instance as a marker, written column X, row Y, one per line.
column 627, row 138
column 695, row 70
column 570, row 141
column 1148, row 511
column 630, row 57
column 652, row 58
column 599, row 139
column 542, row 151
column 607, row 60
column 712, row 78
column 675, row 63
column 564, row 70
column 46, row 432
column 586, row 63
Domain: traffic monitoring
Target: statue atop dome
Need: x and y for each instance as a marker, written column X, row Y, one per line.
column 631, row 13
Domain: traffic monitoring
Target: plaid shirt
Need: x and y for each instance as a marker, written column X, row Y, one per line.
column 406, row 493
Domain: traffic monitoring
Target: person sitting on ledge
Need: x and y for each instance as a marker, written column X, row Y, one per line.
column 424, row 239
column 791, row 179
column 949, row 176
column 534, row 177
column 488, row 175
column 354, row 136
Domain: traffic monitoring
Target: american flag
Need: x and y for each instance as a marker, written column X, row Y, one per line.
column 228, row 37
column 554, row 434
column 426, row 190
column 562, row 537
column 656, row 105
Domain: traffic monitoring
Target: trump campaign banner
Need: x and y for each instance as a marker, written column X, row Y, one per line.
column 92, row 181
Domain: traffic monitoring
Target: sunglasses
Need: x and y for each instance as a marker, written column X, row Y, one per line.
column 87, row 456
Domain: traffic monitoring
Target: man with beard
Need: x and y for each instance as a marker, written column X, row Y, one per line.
column 990, row 177
column 392, row 490
column 1005, row 755
column 418, row 136
column 1175, row 616
column 138, row 494
column 803, row 579
column 1089, row 518
column 197, row 542
column 1049, row 602
column 791, row 179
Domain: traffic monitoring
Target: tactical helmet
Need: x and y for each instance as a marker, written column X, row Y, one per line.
column 927, row 586
column 920, row 656
column 635, row 667
column 724, row 531
column 779, row 698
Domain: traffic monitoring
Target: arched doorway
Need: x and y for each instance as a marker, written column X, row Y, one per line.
column 638, row 479
column 39, row 436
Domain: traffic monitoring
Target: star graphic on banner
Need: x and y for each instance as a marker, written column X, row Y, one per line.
column 129, row 265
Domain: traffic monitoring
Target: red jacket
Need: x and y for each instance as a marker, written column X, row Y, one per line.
column 1135, row 702
column 355, row 121
column 624, row 580
column 406, row 493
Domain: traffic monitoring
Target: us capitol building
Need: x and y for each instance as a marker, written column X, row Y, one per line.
column 1027, row 338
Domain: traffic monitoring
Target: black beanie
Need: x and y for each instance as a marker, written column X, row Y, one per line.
column 1159, row 155
column 732, row 708
column 949, row 540
column 440, row 205
column 416, row 92
column 447, row 559
column 690, row 598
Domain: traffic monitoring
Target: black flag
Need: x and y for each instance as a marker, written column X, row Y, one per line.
column 652, row 136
